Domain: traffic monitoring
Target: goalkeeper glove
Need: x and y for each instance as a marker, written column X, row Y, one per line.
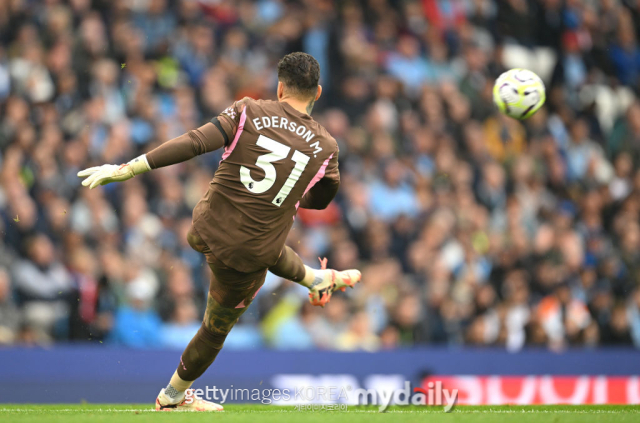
column 102, row 175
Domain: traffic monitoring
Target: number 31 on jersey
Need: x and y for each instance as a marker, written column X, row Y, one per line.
column 278, row 152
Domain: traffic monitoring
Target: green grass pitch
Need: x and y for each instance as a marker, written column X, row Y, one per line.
column 81, row 413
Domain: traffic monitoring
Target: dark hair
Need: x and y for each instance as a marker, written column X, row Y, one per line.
column 300, row 73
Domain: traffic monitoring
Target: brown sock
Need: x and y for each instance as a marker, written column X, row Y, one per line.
column 289, row 266
column 200, row 353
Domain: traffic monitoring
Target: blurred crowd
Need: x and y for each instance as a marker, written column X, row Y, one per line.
column 470, row 228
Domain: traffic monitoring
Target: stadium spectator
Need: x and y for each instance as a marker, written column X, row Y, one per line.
column 43, row 286
column 136, row 324
column 9, row 313
column 182, row 326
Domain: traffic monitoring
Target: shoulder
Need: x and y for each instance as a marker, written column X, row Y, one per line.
column 330, row 142
column 246, row 101
column 270, row 105
column 239, row 105
column 256, row 106
column 235, row 111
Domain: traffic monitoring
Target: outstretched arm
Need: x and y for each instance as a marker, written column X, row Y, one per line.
column 206, row 138
column 186, row 146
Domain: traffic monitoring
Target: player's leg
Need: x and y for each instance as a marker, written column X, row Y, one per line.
column 321, row 282
column 225, row 304
column 198, row 356
column 230, row 294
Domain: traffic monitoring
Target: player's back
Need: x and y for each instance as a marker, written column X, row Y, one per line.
column 277, row 154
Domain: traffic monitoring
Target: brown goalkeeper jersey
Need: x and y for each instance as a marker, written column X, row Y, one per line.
column 274, row 156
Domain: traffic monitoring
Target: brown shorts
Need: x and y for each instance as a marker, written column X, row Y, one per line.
column 228, row 287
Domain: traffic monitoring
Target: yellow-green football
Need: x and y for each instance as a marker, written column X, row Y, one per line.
column 519, row 93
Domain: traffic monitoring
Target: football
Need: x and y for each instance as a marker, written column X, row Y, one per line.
column 519, row 93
